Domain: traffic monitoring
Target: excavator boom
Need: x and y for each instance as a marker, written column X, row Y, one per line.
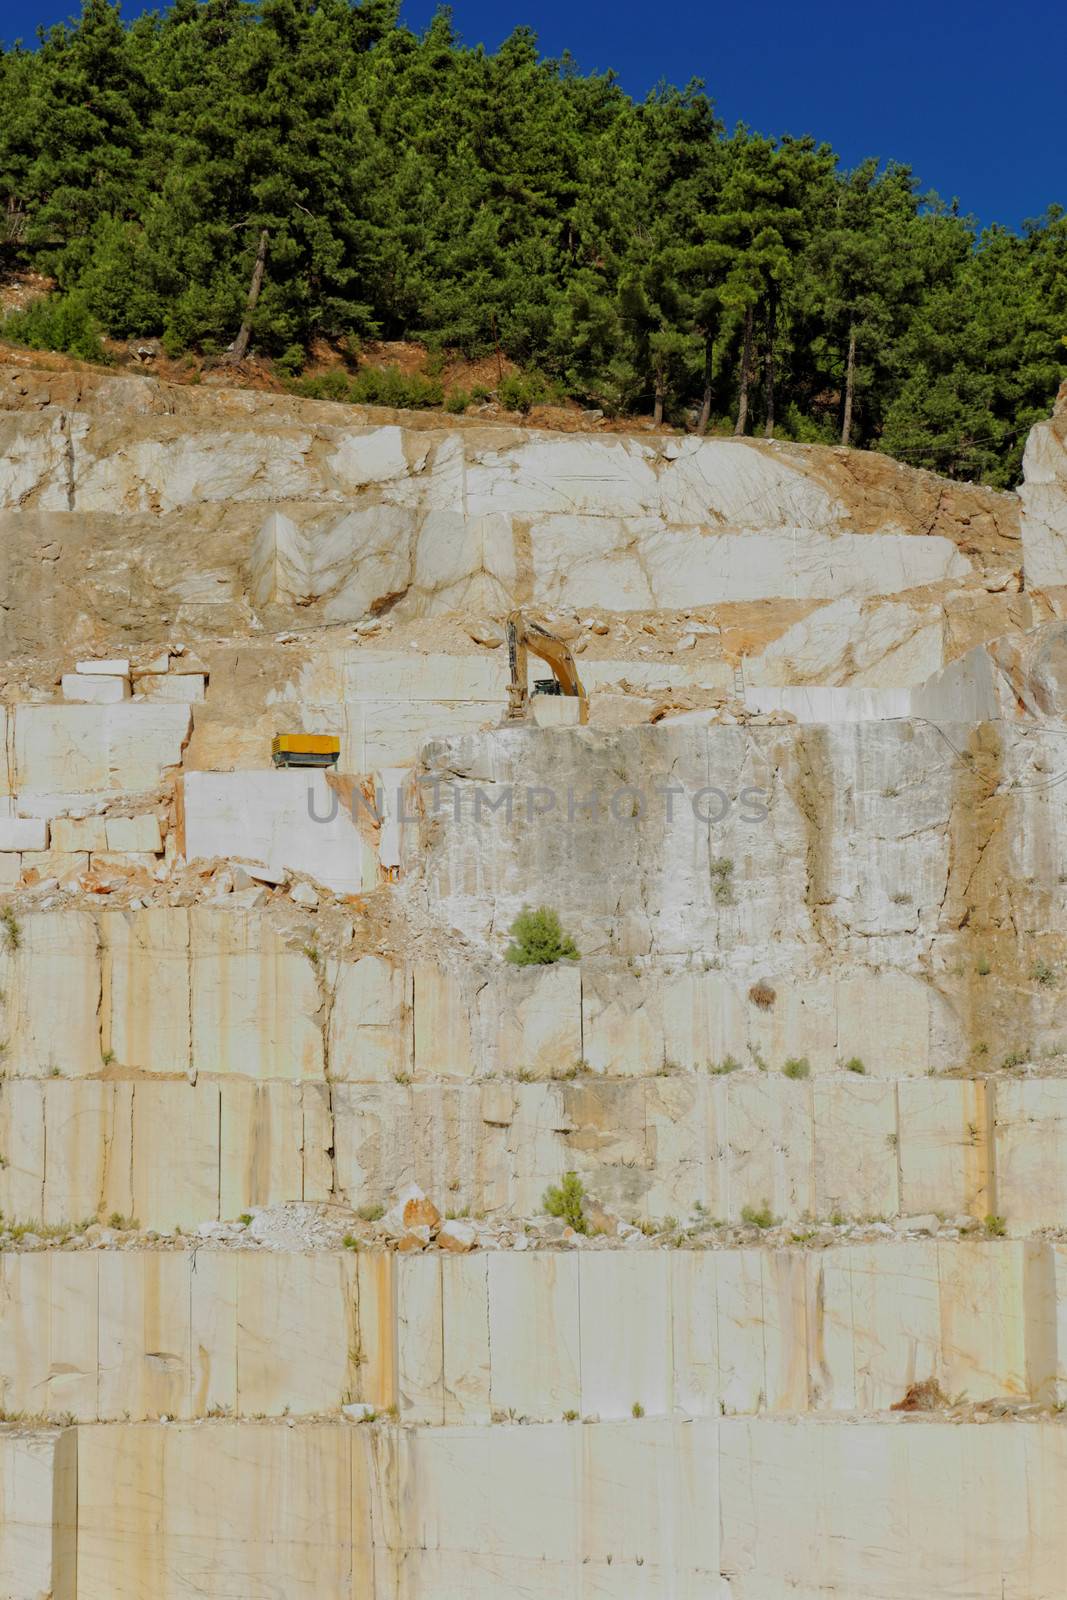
column 526, row 637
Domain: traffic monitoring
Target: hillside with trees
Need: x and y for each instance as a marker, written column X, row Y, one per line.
column 266, row 174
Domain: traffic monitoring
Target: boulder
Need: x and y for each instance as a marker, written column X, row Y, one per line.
column 412, row 1210
column 457, row 1236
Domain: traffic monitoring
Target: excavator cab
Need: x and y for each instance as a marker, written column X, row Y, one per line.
column 525, row 638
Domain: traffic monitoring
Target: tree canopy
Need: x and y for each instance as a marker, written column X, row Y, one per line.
column 286, row 170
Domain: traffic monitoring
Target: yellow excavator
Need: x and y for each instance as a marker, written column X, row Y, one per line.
column 526, row 637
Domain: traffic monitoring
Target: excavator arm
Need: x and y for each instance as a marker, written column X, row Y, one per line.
column 525, row 638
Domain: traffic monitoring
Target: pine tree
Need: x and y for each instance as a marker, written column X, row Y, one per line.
column 90, row 103
column 265, row 174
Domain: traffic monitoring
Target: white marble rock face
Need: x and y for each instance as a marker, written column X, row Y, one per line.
column 871, row 894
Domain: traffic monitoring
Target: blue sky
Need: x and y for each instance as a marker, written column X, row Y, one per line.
column 968, row 92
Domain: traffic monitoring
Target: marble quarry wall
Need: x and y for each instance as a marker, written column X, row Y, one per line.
column 290, row 1307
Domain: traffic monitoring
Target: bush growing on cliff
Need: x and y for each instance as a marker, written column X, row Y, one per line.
column 538, row 940
column 10, row 929
column 722, row 873
column 520, row 390
column 759, row 1216
column 373, row 386
column 58, row 322
column 564, row 1200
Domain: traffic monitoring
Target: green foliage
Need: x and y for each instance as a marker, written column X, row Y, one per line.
column 373, row 386
column 722, row 874
column 759, row 1216
column 996, row 1226
column 630, row 254
column 564, row 1200
column 799, row 1067
column 10, row 928
column 520, row 390
column 538, row 940
column 854, row 1064
column 57, row 322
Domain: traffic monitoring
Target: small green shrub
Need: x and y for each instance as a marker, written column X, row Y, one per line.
column 333, row 385
column 797, row 1067
column 519, row 391
column 538, row 940
column 854, row 1064
column 564, row 1200
column 982, row 967
column 373, row 386
column 570, row 1416
column 370, row 1213
column 719, row 1069
column 388, row 386
column 291, row 361
column 9, row 924
column 1042, row 973
column 57, row 322
column 457, row 401
column 577, row 1069
column 722, row 869
column 759, row 1216
column 996, row 1226
column 637, row 1409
